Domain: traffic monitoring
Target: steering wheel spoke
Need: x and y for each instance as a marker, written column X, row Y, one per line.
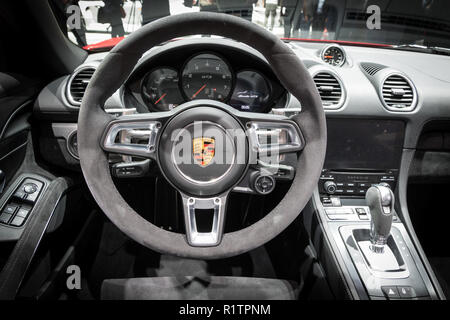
column 271, row 135
column 204, row 219
column 134, row 135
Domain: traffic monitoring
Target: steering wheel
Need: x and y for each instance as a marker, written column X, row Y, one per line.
column 199, row 133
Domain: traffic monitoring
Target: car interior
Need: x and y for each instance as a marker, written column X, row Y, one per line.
column 204, row 156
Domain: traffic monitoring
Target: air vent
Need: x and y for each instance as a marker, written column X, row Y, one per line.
column 398, row 93
column 372, row 68
column 330, row 90
column 78, row 83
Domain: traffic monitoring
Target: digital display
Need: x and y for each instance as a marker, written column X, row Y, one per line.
column 251, row 92
column 364, row 144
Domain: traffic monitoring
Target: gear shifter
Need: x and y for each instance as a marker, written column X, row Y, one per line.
column 380, row 200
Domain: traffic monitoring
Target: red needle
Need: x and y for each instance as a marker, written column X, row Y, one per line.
column 199, row 90
column 162, row 97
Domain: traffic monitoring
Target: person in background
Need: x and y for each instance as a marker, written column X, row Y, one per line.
column 306, row 18
column 291, row 11
column 62, row 16
column 271, row 10
column 324, row 19
column 115, row 12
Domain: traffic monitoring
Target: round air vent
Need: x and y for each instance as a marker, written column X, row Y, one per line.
column 330, row 90
column 398, row 93
column 77, row 84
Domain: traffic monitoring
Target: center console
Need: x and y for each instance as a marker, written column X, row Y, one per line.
column 366, row 232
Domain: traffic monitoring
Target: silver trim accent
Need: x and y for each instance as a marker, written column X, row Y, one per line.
column 379, row 241
column 132, row 129
column 69, row 96
column 362, row 260
column 125, row 136
column 204, row 239
column 287, row 112
column 262, row 128
column 411, row 84
column 122, row 111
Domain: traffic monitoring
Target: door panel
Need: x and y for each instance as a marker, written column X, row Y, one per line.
column 16, row 97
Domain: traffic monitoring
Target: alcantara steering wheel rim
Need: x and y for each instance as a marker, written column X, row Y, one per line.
column 114, row 70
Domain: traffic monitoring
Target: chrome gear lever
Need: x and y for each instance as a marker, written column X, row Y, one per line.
column 380, row 200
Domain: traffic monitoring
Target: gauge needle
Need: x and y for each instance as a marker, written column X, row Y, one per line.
column 329, row 57
column 162, row 97
column 199, row 90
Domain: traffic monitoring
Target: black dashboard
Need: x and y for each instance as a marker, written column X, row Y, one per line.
column 215, row 72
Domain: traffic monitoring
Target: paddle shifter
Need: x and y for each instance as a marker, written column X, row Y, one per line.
column 380, row 200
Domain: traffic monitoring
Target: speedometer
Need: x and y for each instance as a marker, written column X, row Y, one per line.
column 333, row 55
column 206, row 76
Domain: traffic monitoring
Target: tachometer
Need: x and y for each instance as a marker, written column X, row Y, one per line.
column 333, row 55
column 161, row 89
column 206, row 76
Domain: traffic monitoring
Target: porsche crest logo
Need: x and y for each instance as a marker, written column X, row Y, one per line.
column 203, row 150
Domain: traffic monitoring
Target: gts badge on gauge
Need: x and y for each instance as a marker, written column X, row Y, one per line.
column 203, row 150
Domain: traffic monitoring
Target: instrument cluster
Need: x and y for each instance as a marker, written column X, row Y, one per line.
column 207, row 75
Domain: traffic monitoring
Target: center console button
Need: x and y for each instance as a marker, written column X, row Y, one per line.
column 10, row 209
column 17, row 221
column 362, row 214
column 4, row 218
column 23, row 213
column 363, row 185
column 391, row 292
column 30, row 188
column 406, row 292
column 330, row 187
column 351, row 184
column 335, row 201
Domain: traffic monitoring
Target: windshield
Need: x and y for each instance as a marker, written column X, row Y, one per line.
column 422, row 22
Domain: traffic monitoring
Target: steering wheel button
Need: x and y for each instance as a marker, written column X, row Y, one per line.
column 264, row 184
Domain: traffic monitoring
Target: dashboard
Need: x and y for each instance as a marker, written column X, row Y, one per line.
column 408, row 89
column 218, row 73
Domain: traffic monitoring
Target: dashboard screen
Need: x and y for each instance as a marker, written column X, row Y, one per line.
column 364, row 144
column 251, row 92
